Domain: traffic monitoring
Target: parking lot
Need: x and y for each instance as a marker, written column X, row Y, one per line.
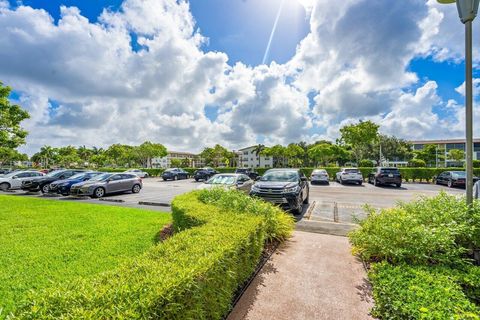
column 333, row 202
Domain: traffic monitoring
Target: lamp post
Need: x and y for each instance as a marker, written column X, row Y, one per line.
column 467, row 10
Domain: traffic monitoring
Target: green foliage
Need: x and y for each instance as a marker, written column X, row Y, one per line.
column 430, row 154
column 11, row 115
column 476, row 163
column 359, row 137
column 145, row 152
column 456, row 155
column 175, row 163
column 417, row 163
column 44, row 243
column 413, row 292
column 429, row 230
column 366, row 163
column 392, row 148
column 192, row 275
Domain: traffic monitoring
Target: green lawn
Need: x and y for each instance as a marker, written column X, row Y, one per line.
column 43, row 242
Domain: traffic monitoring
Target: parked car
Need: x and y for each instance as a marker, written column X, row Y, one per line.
column 319, row 176
column 349, row 175
column 383, row 175
column 453, row 178
column 138, row 172
column 249, row 172
column 204, row 174
column 107, row 183
column 286, row 187
column 174, row 174
column 237, row 181
column 63, row 186
column 42, row 183
column 5, row 171
column 13, row 180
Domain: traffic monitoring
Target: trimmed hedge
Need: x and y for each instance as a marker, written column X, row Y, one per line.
column 192, row 275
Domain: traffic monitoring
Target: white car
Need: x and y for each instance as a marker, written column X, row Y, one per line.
column 349, row 175
column 237, row 181
column 139, row 173
column 13, row 180
column 319, row 175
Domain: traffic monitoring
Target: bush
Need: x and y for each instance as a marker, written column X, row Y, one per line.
column 406, row 292
column 417, row 163
column 429, row 230
column 192, row 275
column 366, row 163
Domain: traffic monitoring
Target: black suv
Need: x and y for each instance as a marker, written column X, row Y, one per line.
column 174, row 174
column 383, row 175
column 285, row 187
column 249, row 172
column 43, row 183
column 204, row 174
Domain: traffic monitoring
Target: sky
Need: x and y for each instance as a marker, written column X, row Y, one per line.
column 190, row 74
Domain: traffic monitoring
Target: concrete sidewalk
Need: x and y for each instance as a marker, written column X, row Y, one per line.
column 312, row 276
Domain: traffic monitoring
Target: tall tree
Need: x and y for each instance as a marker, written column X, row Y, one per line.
column 294, row 154
column 321, row 153
column 147, row 151
column 216, row 155
column 392, row 148
column 258, row 151
column 456, row 155
column 68, row 156
column 359, row 137
column 12, row 135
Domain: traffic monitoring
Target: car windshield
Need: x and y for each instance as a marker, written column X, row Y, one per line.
column 170, row 170
column 101, row 177
column 222, row 179
column 319, row 171
column 289, row 176
column 459, row 174
column 11, row 174
column 352, row 171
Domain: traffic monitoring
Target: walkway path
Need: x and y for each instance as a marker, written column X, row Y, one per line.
column 312, row 276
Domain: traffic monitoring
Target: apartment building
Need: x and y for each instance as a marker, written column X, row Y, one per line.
column 444, row 146
column 247, row 158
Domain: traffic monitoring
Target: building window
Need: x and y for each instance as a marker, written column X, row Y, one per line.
column 418, row 146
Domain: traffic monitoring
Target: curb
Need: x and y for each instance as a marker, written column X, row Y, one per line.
column 112, row 200
column 156, row 204
column 323, row 227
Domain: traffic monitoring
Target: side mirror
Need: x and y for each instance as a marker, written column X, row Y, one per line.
column 303, row 179
column 14, row 177
column 86, row 179
column 257, row 178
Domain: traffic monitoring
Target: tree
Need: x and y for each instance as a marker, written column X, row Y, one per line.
column 147, row 151
column 68, row 156
column 392, row 148
column 321, row 153
column 359, row 137
column 216, row 155
column 430, row 154
column 258, row 151
column 278, row 153
column 294, row 154
column 11, row 115
column 46, row 156
column 84, row 154
column 175, row 163
column 120, row 155
column 456, row 155
column 7, row 156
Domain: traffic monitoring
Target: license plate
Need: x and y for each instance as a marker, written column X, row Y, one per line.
column 390, row 175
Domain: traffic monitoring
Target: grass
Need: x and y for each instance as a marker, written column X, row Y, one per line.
column 45, row 242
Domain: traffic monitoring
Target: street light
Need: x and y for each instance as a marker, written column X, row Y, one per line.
column 467, row 10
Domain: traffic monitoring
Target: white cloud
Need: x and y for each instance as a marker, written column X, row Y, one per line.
column 85, row 84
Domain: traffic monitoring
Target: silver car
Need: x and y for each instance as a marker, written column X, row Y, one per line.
column 107, row 183
column 319, row 176
column 138, row 172
column 237, row 181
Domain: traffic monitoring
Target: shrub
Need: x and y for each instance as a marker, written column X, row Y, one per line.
column 417, row 163
column 366, row 163
column 192, row 275
column 407, row 292
column 429, row 230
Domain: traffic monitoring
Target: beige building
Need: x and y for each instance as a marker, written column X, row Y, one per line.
column 247, row 158
column 444, row 146
column 166, row 162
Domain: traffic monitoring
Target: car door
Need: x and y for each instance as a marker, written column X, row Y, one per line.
column 441, row 178
column 244, row 183
column 16, row 181
column 114, row 183
column 127, row 182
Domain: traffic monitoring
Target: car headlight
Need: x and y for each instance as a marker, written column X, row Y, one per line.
column 291, row 189
column 255, row 188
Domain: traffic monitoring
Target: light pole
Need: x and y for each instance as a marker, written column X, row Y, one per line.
column 467, row 10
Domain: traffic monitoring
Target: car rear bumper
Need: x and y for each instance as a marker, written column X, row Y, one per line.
column 319, row 179
column 389, row 180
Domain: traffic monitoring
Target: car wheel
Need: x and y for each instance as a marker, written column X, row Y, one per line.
column 450, row 183
column 341, row 181
column 44, row 188
column 136, row 188
column 146, row 175
column 307, row 199
column 175, row 178
column 299, row 209
column 196, row 179
column 4, row 186
column 360, row 183
column 398, row 185
column 99, row 192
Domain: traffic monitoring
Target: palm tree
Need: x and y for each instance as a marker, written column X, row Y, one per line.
column 47, row 153
column 258, row 150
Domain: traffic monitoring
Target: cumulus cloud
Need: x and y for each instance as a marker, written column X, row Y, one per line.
column 139, row 73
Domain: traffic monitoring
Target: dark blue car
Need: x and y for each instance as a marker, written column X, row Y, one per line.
column 63, row 186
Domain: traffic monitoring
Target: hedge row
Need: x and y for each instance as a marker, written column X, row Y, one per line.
column 192, row 275
column 421, row 256
column 408, row 174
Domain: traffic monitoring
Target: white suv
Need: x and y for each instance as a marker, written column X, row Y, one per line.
column 349, row 175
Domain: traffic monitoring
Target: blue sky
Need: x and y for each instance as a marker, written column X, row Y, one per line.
column 357, row 63
column 241, row 28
